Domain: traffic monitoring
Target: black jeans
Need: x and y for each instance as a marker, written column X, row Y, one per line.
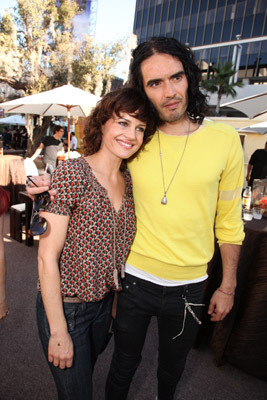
column 177, row 329
column 88, row 326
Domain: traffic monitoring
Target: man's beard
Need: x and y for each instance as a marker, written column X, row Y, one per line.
column 176, row 115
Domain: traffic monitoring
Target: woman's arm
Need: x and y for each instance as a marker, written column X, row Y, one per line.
column 60, row 347
column 41, row 184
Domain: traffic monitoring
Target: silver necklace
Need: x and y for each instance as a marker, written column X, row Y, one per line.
column 164, row 198
column 115, row 270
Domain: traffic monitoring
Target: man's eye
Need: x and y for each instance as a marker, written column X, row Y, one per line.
column 178, row 77
column 122, row 123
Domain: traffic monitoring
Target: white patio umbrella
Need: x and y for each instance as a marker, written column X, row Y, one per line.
column 13, row 120
column 261, row 127
column 66, row 101
column 251, row 106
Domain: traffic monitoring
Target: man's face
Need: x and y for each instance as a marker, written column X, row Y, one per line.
column 61, row 132
column 166, row 85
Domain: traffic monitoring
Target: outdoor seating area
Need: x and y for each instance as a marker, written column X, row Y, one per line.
column 133, row 200
column 240, row 339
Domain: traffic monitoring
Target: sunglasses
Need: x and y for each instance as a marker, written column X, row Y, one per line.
column 38, row 225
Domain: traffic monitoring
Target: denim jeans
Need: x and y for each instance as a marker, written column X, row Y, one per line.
column 177, row 329
column 88, row 326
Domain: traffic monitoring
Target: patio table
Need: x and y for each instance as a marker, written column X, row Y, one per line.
column 12, row 175
column 240, row 338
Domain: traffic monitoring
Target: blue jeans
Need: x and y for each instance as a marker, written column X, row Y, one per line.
column 88, row 326
column 177, row 329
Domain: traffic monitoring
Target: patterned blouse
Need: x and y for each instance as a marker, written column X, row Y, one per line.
column 87, row 258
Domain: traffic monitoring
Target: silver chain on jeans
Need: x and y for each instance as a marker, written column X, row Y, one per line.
column 187, row 306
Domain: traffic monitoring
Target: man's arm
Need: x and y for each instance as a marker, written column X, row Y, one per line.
column 229, row 228
column 249, row 172
column 37, row 152
column 222, row 300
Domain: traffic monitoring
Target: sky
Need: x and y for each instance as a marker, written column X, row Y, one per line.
column 114, row 20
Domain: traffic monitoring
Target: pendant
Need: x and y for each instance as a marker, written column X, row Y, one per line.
column 164, row 200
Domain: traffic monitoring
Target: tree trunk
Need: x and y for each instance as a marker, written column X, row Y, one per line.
column 217, row 111
column 37, row 134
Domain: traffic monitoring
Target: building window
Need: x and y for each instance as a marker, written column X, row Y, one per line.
column 227, row 31
column 247, row 27
column 258, row 25
column 199, row 38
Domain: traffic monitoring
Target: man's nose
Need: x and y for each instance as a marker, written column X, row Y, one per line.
column 169, row 89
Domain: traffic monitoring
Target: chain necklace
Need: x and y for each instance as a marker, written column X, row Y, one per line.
column 164, row 198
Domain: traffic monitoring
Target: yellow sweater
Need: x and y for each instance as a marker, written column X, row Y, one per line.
column 176, row 241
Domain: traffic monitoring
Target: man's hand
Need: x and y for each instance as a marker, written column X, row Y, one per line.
column 42, row 184
column 220, row 305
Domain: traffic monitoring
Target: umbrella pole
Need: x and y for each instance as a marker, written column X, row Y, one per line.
column 68, row 109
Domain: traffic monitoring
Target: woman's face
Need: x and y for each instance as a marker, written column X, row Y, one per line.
column 122, row 136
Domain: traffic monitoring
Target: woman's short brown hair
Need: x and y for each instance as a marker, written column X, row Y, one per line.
column 124, row 100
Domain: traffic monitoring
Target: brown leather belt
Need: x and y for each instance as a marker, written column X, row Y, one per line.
column 69, row 299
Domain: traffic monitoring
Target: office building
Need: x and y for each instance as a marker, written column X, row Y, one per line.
column 226, row 30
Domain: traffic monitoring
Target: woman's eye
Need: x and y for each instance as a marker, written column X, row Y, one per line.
column 140, row 129
column 122, row 123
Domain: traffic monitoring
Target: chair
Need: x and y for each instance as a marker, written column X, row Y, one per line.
column 17, row 221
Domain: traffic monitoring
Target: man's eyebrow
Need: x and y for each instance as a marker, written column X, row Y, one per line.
column 152, row 81
column 177, row 74
column 158, row 80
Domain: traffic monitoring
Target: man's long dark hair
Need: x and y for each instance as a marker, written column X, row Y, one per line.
column 197, row 104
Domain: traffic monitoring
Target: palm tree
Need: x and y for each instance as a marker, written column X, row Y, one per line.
column 219, row 83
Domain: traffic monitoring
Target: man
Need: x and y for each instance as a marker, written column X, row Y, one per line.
column 187, row 181
column 73, row 142
column 6, row 138
column 53, row 147
column 257, row 166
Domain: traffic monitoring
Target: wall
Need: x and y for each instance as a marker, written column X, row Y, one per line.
column 252, row 141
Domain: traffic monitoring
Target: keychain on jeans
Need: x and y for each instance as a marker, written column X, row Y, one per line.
column 188, row 307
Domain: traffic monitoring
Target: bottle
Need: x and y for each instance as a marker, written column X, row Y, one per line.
column 246, row 198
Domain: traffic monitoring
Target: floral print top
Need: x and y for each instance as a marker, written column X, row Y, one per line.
column 87, row 258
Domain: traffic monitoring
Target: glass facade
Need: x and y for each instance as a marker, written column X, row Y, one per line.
column 205, row 22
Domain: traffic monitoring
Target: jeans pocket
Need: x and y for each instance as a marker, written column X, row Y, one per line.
column 194, row 292
column 69, row 312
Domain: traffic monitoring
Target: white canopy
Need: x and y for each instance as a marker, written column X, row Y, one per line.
column 54, row 102
column 259, row 128
column 13, row 120
column 251, row 106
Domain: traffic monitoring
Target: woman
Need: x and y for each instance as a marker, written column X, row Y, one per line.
column 4, row 205
column 91, row 225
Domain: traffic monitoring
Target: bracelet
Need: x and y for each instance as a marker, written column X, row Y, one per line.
column 228, row 294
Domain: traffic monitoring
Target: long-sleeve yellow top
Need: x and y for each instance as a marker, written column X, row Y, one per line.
column 176, row 241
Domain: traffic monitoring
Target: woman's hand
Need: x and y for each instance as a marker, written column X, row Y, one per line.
column 60, row 350
column 40, row 185
column 3, row 309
